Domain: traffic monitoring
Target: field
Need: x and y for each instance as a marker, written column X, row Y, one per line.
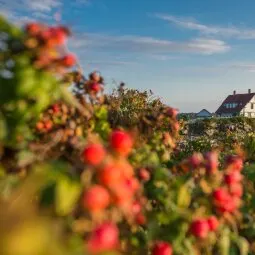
column 83, row 172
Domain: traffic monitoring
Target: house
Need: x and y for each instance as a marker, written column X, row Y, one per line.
column 204, row 114
column 238, row 105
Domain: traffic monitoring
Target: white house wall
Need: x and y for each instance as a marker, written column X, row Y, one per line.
column 247, row 110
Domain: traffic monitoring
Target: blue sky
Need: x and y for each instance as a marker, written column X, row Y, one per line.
column 190, row 53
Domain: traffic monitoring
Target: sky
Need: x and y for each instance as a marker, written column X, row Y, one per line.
column 191, row 54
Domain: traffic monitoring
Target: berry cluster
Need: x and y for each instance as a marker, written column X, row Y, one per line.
column 44, row 126
column 94, row 85
column 208, row 161
column 201, row 227
column 172, row 113
column 116, row 184
column 227, row 199
column 226, row 188
column 61, row 117
column 48, row 46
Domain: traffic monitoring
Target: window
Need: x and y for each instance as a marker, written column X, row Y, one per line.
column 252, row 106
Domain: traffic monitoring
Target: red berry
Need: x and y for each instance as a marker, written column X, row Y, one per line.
column 121, row 142
column 33, row 28
column 171, row 112
column 144, row 174
column 195, row 160
column 132, row 184
column 48, row 125
column 236, row 189
column 55, row 108
column 229, row 206
column 104, row 238
column 212, row 162
column 233, row 177
column 176, row 126
column 224, row 201
column 94, row 154
column 96, row 198
column 45, row 35
column 136, row 207
column 95, row 87
column 235, row 162
column 58, row 34
column 140, row 219
column 200, row 228
column 220, row 195
column 213, row 223
column 68, row 60
column 162, row 248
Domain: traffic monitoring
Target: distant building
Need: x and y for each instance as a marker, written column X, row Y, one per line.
column 238, row 105
column 204, row 114
column 186, row 116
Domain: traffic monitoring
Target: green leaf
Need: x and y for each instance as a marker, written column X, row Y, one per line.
column 224, row 242
column 243, row 246
column 184, row 198
column 2, row 172
column 67, row 194
column 101, row 113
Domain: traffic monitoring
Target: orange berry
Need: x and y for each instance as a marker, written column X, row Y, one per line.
column 39, row 126
column 96, row 198
column 110, row 175
column 48, row 125
column 33, row 28
column 68, row 60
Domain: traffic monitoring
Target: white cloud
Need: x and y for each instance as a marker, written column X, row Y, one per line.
column 148, row 45
column 30, row 9
column 191, row 24
column 33, row 5
column 43, row 5
column 250, row 67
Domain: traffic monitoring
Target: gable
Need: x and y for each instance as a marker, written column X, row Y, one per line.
column 204, row 113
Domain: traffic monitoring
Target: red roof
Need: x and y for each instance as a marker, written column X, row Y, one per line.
column 239, row 99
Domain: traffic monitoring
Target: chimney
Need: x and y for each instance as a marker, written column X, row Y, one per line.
column 234, row 92
column 249, row 91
